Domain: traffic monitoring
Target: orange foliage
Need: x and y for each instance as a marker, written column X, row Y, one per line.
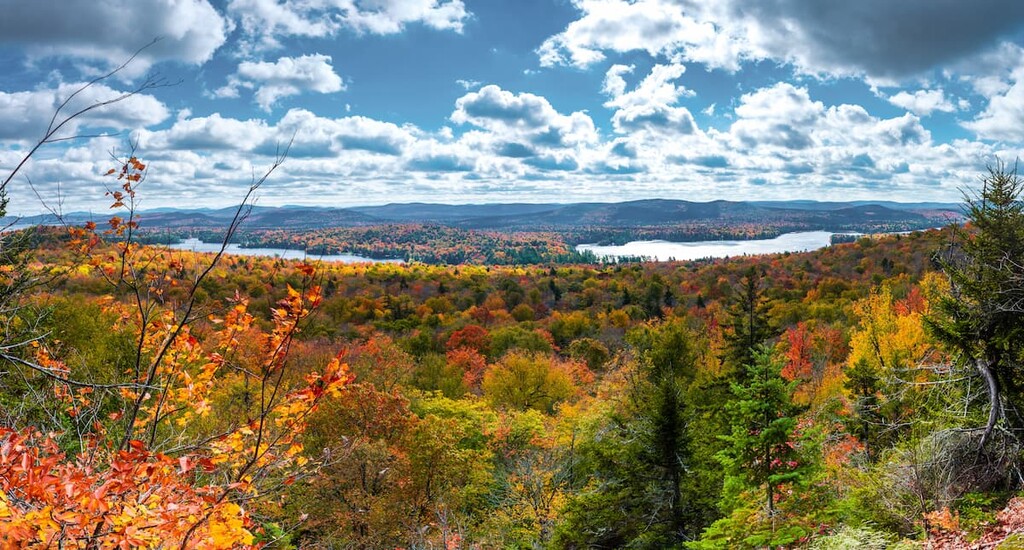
column 472, row 364
column 103, row 499
column 798, row 354
column 472, row 336
column 153, row 482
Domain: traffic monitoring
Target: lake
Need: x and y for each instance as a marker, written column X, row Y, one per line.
column 16, row 227
column 196, row 245
column 663, row 250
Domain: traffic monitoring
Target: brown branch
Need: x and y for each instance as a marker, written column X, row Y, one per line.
column 57, row 123
column 53, row 373
column 241, row 213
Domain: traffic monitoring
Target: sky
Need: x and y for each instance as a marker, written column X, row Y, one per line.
column 474, row 101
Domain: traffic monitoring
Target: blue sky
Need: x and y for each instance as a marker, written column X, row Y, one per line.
column 518, row 100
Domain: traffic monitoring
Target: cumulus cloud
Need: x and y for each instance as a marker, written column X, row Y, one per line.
column 651, row 105
column 923, row 102
column 778, row 116
column 560, row 163
column 190, row 30
column 341, row 136
column 210, row 133
column 614, row 83
column 517, row 146
column 878, row 39
column 285, row 77
column 657, row 87
column 654, row 26
column 526, row 116
column 25, row 114
column 391, row 16
column 835, row 131
column 429, row 155
column 265, row 21
column 1003, row 117
column 311, row 136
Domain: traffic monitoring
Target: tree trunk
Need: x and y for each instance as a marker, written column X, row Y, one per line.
column 677, row 504
column 995, row 408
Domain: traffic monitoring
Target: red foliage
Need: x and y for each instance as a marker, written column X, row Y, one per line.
column 473, row 337
column 472, row 364
column 798, row 354
column 945, row 533
column 913, row 303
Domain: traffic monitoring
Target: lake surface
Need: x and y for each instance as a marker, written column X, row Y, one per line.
column 196, row 245
column 664, row 250
column 16, row 227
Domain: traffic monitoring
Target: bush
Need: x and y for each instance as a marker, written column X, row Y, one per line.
column 850, row 538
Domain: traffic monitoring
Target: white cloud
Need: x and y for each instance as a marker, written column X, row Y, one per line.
column 923, row 102
column 391, row 16
column 312, row 136
column 778, row 116
column 210, row 133
column 268, row 19
column 846, row 39
column 523, row 116
column 656, row 87
column 190, row 30
column 651, row 105
column 517, row 146
column 25, row 114
column 1003, row 117
column 264, row 21
column 285, row 77
column 614, row 85
column 331, row 137
column 998, row 77
column 654, row 26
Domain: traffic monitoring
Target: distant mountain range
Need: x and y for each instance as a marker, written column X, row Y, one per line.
column 527, row 217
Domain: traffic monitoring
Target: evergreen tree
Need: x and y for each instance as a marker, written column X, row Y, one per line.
column 864, row 384
column 669, row 362
column 747, row 325
column 641, row 491
column 982, row 318
column 761, row 452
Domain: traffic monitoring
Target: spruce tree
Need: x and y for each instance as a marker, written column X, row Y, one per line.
column 981, row 320
column 643, row 490
column 761, row 453
column 747, row 323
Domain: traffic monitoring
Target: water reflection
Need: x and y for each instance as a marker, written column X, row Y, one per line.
column 196, row 245
column 665, row 250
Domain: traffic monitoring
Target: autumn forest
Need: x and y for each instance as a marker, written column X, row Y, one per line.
column 500, row 389
column 861, row 395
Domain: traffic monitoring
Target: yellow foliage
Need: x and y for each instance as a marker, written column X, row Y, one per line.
column 890, row 338
column 226, row 529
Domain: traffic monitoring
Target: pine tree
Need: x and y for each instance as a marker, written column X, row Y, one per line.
column 982, row 318
column 864, row 384
column 747, row 325
column 761, row 452
column 642, row 491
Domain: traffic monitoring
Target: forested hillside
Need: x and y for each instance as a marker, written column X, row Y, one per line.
column 863, row 395
column 522, row 234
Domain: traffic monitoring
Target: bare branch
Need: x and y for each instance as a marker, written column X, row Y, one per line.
column 56, row 375
column 59, row 121
column 241, row 213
